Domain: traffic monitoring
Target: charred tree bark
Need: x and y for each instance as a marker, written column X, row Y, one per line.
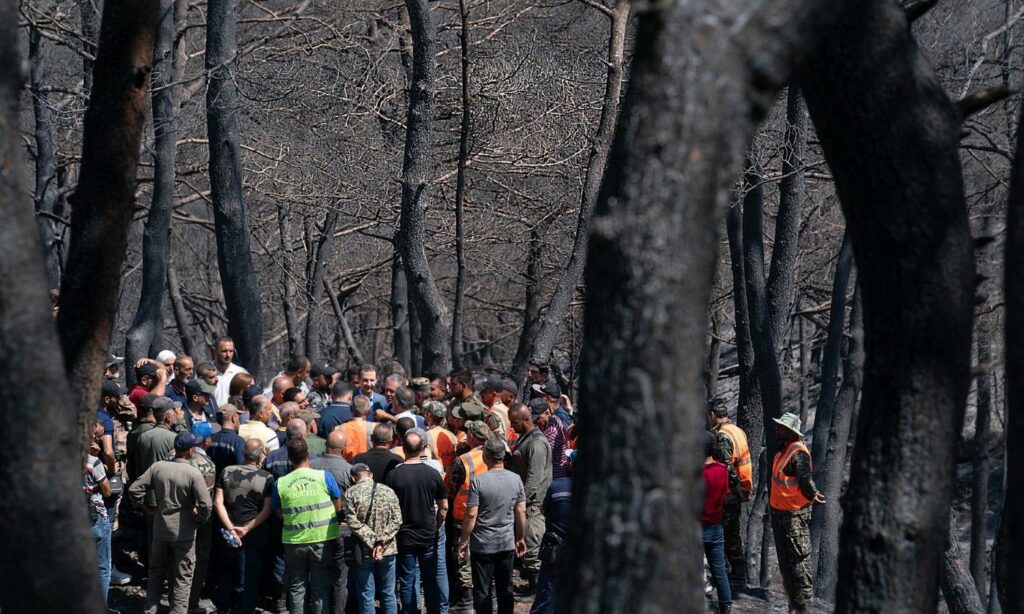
column 415, row 334
column 766, row 362
column 550, row 326
column 401, row 346
column 146, row 330
column 831, row 355
column 531, row 312
column 826, row 520
column 792, row 190
column 89, row 19
column 354, row 355
column 980, row 471
column 1009, row 564
column 180, row 315
column 891, row 136
column 102, row 203
column 234, row 259
column 806, row 341
column 460, row 191
column 956, row 583
column 291, row 317
column 714, row 361
column 44, row 440
column 47, row 187
column 652, row 257
column 315, row 286
column 416, row 169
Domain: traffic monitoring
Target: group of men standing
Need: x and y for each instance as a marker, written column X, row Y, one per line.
column 324, row 492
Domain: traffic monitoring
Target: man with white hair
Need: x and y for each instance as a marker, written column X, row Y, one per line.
column 167, row 358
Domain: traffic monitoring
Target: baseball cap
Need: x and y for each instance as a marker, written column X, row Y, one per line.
column 537, row 406
column 549, row 388
column 510, row 385
column 113, row 360
column 435, row 408
column 199, row 386
column 420, row 384
column 359, row 468
column 227, row 410
column 164, row 404
column 146, row 369
column 184, row 441
column 112, row 389
column 204, row 429
column 468, row 411
column 327, row 370
column 478, row 429
column 493, row 382
column 250, row 392
column 307, row 416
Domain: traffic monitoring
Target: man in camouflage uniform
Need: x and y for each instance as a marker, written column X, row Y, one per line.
column 375, row 530
column 791, row 497
column 728, row 438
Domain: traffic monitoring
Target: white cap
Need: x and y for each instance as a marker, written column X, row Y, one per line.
column 165, row 355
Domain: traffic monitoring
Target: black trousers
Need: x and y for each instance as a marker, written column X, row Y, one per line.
column 496, row 567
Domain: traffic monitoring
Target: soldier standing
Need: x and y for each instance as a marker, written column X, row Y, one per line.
column 791, row 495
column 732, row 450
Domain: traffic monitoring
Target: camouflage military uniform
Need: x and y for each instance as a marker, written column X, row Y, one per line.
column 731, row 510
column 792, row 534
column 386, row 518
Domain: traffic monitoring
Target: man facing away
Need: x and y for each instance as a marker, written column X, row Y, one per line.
column 374, row 516
column 531, row 460
column 493, row 529
column 182, row 503
column 308, row 502
column 333, row 462
column 791, row 495
column 732, row 450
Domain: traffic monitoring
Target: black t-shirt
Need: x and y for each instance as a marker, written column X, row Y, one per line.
column 245, row 487
column 380, row 462
column 419, row 487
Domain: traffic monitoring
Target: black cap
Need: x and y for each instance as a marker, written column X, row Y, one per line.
column 537, row 407
column 145, row 369
column 198, row 386
column 549, row 388
column 111, row 389
column 186, row 440
column 318, row 370
column 359, row 468
column 493, row 382
column 250, row 392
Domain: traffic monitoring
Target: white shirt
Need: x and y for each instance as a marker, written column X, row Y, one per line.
column 254, row 429
column 222, row 393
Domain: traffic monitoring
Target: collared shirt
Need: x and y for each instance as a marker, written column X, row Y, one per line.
column 226, row 449
column 171, row 393
column 555, row 432
column 377, row 401
column 224, row 382
column 178, row 488
column 531, row 460
column 382, row 525
column 254, row 429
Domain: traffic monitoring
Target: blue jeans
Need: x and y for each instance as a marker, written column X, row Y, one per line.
column 101, row 534
column 430, row 563
column 714, row 550
column 547, row 582
column 370, row 575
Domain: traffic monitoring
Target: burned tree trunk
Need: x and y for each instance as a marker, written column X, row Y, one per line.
column 238, row 277
column 826, row 520
column 146, row 330
column 416, row 169
column 460, row 191
column 652, row 257
column 47, row 186
column 831, row 355
column 43, row 440
column 956, row 583
column 315, row 286
column 891, row 136
column 792, row 189
column 180, row 315
column 714, row 361
column 1009, row 564
column 291, row 317
column 102, row 204
column 352, row 348
column 551, row 319
column 531, row 312
column 400, row 339
column 89, row 19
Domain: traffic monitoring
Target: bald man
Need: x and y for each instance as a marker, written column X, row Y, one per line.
column 277, row 388
column 334, row 463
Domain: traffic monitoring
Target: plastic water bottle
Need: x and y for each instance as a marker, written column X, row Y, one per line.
column 230, row 538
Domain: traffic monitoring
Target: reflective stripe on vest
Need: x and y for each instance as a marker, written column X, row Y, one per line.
column 309, row 514
column 785, row 490
column 740, row 453
column 473, row 461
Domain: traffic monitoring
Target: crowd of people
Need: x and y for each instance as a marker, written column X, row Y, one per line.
column 330, row 491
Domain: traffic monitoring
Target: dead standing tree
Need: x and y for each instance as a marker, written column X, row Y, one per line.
column 44, row 439
column 416, row 169
column 689, row 114
column 238, row 278
column 891, row 136
column 102, row 203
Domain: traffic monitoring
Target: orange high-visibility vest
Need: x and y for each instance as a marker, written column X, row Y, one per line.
column 740, row 453
column 355, row 438
column 474, row 463
column 443, row 443
column 785, row 494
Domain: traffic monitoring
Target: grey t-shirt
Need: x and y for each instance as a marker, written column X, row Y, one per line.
column 496, row 494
